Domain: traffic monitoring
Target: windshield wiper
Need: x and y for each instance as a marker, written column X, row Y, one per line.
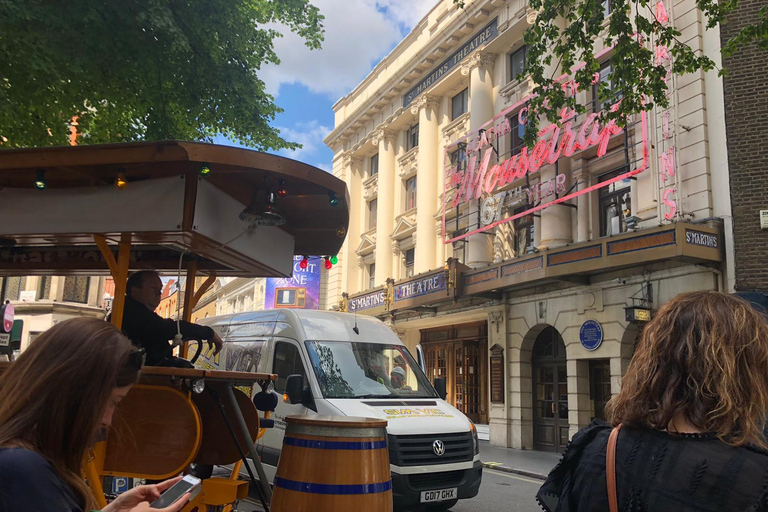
column 391, row 395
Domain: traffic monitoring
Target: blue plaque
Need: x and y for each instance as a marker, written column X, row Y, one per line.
column 591, row 334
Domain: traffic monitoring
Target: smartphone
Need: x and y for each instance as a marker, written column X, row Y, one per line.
column 187, row 484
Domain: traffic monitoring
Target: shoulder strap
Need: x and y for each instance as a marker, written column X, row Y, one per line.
column 610, row 469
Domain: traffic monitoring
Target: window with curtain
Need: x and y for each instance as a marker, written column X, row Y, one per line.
column 410, row 193
column 409, row 257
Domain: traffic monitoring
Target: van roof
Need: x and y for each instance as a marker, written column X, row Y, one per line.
column 303, row 324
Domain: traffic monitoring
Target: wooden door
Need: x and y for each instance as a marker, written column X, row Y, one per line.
column 550, row 392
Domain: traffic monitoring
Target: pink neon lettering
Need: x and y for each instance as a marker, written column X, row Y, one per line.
column 668, row 164
column 492, row 179
column 538, row 155
column 661, row 13
column 521, row 169
column 662, row 55
column 669, row 202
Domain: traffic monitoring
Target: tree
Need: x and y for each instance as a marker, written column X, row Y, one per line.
column 564, row 35
column 132, row 70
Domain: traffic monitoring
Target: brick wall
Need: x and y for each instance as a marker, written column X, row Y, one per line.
column 746, row 106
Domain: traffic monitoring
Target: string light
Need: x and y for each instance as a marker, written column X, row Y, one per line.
column 332, row 199
column 121, row 182
column 328, row 263
column 303, row 263
column 40, row 182
column 205, row 170
column 334, row 259
column 281, row 191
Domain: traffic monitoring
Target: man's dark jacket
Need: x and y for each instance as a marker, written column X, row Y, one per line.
column 148, row 330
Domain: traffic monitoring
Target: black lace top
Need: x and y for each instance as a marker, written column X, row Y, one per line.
column 657, row 472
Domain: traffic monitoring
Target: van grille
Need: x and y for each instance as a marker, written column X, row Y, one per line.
column 416, row 450
column 428, row 481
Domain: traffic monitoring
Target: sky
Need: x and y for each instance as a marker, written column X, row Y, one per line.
column 306, row 84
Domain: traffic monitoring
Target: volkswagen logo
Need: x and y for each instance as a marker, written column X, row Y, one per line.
column 438, row 447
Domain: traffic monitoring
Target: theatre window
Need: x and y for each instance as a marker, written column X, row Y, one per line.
column 613, row 91
column 372, row 212
column 615, row 204
column 409, row 257
column 412, row 137
column 517, row 63
column 371, row 275
column 374, row 165
column 523, row 232
column 459, row 104
column 410, row 193
column 515, row 135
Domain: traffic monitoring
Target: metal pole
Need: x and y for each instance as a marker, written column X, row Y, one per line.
column 263, row 482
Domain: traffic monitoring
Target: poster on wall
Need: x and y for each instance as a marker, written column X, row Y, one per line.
column 302, row 290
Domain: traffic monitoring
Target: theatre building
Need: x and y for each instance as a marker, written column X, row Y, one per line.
column 524, row 274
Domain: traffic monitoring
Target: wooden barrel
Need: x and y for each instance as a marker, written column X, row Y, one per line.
column 333, row 463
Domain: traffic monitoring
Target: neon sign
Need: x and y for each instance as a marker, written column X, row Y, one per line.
column 483, row 180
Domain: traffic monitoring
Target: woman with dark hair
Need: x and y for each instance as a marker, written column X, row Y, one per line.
column 690, row 418
column 56, row 398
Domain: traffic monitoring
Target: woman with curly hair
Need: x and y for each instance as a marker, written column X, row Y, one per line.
column 56, row 399
column 690, row 416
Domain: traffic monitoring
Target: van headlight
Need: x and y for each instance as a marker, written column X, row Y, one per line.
column 475, row 441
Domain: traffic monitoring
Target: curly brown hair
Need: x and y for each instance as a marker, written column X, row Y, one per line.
column 705, row 356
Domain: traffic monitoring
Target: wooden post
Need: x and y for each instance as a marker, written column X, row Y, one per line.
column 119, row 270
column 123, row 264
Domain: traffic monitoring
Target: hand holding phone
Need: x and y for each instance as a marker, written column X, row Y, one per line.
column 186, row 485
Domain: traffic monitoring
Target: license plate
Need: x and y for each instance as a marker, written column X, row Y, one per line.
column 5, row 339
column 441, row 495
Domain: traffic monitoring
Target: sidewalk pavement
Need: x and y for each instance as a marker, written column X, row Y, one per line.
column 533, row 464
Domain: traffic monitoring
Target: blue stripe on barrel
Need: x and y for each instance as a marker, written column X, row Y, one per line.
column 309, row 487
column 334, row 445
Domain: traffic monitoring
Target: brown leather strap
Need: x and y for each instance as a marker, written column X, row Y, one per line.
column 610, row 469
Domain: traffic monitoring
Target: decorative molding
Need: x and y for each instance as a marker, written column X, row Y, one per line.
column 407, row 163
column 395, row 247
column 425, row 101
column 476, row 60
column 360, row 262
column 456, row 128
column 516, row 90
column 405, row 225
column 383, row 135
column 351, row 161
column 371, row 187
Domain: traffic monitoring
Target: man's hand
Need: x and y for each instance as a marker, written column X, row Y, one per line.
column 217, row 342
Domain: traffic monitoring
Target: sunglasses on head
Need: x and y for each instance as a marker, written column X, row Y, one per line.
column 136, row 358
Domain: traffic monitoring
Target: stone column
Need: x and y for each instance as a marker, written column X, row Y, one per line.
column 385, row 218
column 582, row 202
column 353, row 175
column 556, row 228
column 426, row 182
column 479, row 68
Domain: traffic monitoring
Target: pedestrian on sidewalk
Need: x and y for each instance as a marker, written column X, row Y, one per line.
column 692, row 412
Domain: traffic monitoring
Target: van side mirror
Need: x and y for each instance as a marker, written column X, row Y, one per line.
column 298, row 393
column 294, row 388
column 440, row 387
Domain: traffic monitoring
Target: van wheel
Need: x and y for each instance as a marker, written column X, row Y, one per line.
column 446, row 505
column 201, row 471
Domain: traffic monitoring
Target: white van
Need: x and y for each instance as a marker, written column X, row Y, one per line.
column 355, row 366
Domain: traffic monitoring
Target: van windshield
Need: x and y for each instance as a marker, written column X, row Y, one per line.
column 367, row 370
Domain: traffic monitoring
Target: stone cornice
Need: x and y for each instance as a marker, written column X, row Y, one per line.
column 447, row 33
